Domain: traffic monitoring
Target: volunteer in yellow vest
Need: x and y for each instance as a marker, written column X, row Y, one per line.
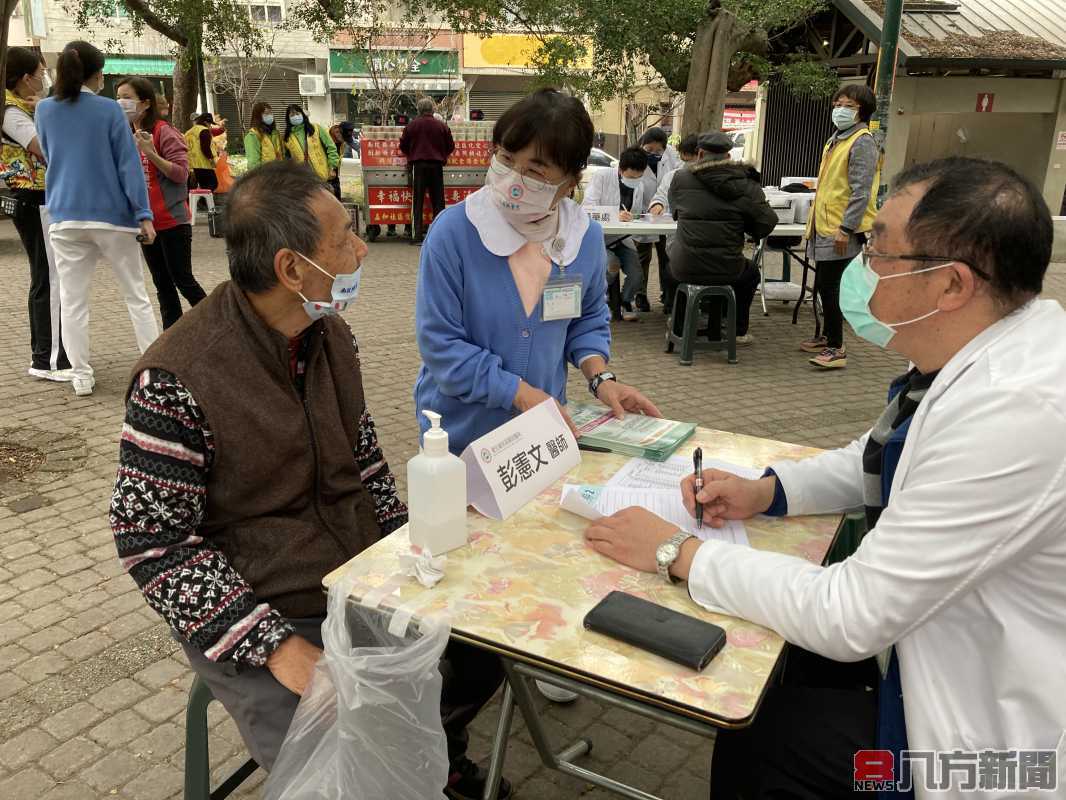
column 843, row 213
column 262, row 143
column 202, row 151
column 22, row 166
column 310, row 143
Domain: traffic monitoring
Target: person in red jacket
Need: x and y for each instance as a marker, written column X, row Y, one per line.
column 427, row 142
column 165, row 157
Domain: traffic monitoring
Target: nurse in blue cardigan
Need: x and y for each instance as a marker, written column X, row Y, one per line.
column 512, row 283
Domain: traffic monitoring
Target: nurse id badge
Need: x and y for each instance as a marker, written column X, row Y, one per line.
column 562, row 298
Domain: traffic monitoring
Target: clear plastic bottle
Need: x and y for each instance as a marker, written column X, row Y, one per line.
column 436, row 493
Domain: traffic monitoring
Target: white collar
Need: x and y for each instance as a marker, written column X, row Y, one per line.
column 501, row 239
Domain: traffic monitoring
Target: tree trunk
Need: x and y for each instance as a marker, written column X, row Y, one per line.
column 718, row 38
column 185, row 89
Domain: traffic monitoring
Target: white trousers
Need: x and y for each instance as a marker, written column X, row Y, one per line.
column 77, row 252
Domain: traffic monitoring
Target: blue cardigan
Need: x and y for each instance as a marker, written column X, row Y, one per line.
column 94, row 166
column 475, row 338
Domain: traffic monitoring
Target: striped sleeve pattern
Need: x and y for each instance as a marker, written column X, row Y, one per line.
column 158, row 503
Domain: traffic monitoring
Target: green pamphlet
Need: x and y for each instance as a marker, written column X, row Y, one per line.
column 636, row 435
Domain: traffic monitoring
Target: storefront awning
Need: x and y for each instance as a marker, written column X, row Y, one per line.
column 138, row 66
column 348, row 82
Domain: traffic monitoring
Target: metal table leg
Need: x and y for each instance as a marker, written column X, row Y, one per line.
column 499, row 744
column 518, row 677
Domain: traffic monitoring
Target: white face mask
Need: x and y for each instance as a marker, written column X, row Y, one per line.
column 344, row 291
column 632, row 183
column 296, row 119
column 526, row 203
column 129, row 107
column 844, row 117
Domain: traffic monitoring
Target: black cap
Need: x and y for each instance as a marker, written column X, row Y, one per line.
column 716, row 142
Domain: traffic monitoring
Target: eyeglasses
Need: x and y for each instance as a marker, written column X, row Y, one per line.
column 532, row 182
column 868, row 254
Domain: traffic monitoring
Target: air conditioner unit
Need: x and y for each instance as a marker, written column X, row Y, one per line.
column 312, row 85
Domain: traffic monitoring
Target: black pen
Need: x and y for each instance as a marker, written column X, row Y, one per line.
column 697, row 466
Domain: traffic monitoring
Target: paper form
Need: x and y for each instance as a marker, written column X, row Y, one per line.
column 593, row 502
column 640, row 473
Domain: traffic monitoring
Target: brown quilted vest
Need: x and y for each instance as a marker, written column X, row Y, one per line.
column 285, row 502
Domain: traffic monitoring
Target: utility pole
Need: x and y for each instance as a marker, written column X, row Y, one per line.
column 886, row 76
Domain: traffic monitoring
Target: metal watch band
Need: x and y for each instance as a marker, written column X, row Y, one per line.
column 598, row 379
column 677, row 539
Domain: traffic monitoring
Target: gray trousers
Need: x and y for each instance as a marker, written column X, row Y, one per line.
column 263, row 708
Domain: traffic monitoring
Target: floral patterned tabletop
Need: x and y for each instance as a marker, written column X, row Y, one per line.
column 524, row 585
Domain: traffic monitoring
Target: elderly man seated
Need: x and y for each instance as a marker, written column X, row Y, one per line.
column 249, row 468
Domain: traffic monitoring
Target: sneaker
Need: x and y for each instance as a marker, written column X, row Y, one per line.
column 830, row 358
column 467, row 782
column 642, row 304
column 628, row 314
column 814, row 345
column 556, row 694
column 61, row 375
column 745, row 340
column 83, row 386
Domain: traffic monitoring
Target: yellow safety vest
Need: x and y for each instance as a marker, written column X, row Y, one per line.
column 197, row 159
column 20, row 168
column 834, row 191
column 316, row 153
column 269, row 146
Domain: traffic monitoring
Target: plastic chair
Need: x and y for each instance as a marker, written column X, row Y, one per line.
column 683, row 325
column 195, row 196
column 197, row 760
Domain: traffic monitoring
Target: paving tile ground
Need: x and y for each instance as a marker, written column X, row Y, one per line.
column 92, row 686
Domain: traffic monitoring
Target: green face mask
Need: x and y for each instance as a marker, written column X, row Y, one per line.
column 857, row 287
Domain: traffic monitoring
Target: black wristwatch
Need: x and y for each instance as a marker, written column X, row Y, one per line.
column 598, row 379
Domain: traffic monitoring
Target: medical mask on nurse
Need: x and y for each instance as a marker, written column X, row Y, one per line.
column 857, row 287
column 525, row 202
column 344, row 291
column 844, row 117
column 631, row 183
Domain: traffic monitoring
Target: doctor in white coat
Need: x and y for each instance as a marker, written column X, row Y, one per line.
column 960, row 586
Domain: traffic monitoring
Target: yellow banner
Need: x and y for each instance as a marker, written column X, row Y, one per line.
column 502, row 51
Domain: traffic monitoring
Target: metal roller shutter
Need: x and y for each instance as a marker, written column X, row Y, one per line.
column 797, row 129
column 280, row 89
column 494, row 104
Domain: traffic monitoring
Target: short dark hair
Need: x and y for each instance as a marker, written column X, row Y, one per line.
column 143, row 88
column 861, row 94
column 21, row 61
column 633, row 158
column 689, row 145
column 557, row 123
column 984, row 214
column 78, row 62
column 657, row 135
column 255, row 231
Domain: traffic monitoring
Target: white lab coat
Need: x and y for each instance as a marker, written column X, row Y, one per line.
column 653, row 181
column 603, row 190
column 965, row 573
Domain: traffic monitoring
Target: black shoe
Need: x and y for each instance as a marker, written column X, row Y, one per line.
column 642, row 303
column 467, row 782
column 417, row 242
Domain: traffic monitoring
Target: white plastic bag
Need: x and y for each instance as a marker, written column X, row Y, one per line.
column 368, row 726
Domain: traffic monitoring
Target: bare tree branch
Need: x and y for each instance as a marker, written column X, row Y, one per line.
column 156, row 23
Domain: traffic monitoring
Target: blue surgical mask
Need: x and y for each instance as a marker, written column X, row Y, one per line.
column 844, row 117
column 857, row 287
column 344, row 291
column 632, row 183
column 268, row 119
column 296, row 119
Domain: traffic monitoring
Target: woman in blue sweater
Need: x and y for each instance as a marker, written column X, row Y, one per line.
column 97, row 201
column 512, row 282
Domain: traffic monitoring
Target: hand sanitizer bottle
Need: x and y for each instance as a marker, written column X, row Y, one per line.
column 436, row 493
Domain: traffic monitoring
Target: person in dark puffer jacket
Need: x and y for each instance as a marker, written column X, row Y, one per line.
column 717, row 202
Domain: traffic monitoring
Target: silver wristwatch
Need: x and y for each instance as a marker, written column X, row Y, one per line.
column 668, row 552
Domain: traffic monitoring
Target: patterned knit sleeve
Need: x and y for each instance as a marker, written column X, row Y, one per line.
column 157, row 506
column 376, row 475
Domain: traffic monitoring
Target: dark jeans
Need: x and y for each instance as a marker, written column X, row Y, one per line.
column 169, row 260
column 805, row 735
column 426, row 176
column 44, row 289
column 827, row 284
column 263, row 708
